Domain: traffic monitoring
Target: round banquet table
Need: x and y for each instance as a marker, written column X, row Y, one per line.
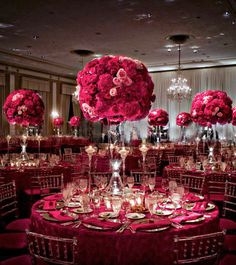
column 112, row 248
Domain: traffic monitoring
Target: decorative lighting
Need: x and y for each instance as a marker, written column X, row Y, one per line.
column 179, row 88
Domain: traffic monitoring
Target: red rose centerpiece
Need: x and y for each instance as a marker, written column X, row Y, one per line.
column 211, row 107
column 75, row 123
column 24, row 107
column 58, row 122
column 183, row 119
column 158, row 118
column 234, row 116
column 115, row 88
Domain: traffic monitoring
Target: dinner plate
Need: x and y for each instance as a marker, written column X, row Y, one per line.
column 48, row 217
column 135, row 216
column 82, row 211
column 164, row 212
column 200, row 219
column 96, row 227
column 189, row 206
column 171, row 206
column 154, row 229
column 108, row 215
column 73, row 204
column 210, row 206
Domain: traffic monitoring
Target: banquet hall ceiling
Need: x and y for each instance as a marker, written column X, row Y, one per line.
column 42, row 34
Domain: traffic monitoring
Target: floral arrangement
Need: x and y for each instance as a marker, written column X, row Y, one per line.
column 158, row 117
column 210, row 107
column 24, row 107
column 183, row 119
column 58, row 122
column 234, row 116
column 75, row 121
column 115, row 88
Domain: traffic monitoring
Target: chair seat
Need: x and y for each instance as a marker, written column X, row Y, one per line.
column 13, row 241
column 22, row 259
column 227, row 224
column 228, row 259
column 19, row 225
column 230, row 243
column 35, row 191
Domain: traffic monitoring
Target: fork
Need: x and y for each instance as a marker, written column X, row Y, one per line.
column 123, row 227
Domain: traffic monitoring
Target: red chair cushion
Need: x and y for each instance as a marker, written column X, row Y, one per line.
column 13, row 241
column 230, row 243
column 22, row 259
column 30, row 192
column 228, row 259
column 227, row 224
column 18, row 225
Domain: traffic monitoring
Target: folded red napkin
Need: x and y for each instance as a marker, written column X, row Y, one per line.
column 184, row 218
column 102, row 223
column 150, row 225
column 49, row 205
column 193, row 198
column 199, row 206
column 61, row 216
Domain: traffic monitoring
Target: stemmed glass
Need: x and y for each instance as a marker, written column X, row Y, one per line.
column 103, row 182
column 130, row 182
column 151, row 203
column 151, row 183
column 164, row 184
column 116, row 204
column 144, row 182
column 83, row 184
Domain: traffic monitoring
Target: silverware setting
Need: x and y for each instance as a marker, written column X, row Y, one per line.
column 123, row 227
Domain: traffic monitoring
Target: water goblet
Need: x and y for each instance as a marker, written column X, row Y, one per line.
column 164, row 184
column 151, row 183
column 130, row 182
column 116, row 204
column 83, row 184
column 151, row 203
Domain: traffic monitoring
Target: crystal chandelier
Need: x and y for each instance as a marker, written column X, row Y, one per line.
column 179, row 88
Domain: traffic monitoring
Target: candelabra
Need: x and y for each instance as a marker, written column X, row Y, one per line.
column 24, row 155
column 8, row 146
column 124, row 151
column 144, row 149
column 38, row 137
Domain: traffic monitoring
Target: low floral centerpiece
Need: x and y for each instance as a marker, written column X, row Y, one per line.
column 115, row 88
column 24, row 107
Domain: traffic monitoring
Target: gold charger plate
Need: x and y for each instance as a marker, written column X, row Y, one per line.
column 198, row 220
column 94, row 227
column 48, row 217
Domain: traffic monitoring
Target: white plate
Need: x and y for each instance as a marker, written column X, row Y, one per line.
column 108, row 215
column 195, row 220
column 171, row 206
column 80, row 210
column 164, row 212
column 155, row 229
column 135, row 216
column 210, row 206
column 73, row 204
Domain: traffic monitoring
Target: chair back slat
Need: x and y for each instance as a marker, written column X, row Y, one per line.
column 229, row 206
column 195, row 183
column 8, row 199
column 216, row 183
column 198, row 249
column 50, row 184
column 140, row 176
column 55, row 250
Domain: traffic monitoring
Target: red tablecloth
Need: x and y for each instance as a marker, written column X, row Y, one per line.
column 111, row 248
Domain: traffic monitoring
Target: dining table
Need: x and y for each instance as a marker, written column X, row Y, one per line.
column 107, row 243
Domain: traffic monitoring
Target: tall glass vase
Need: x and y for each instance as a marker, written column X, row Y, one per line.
column 183, row 138
column 211, row 141
column 115, row 186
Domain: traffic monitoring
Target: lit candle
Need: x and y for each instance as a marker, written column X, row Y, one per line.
column 8, row 138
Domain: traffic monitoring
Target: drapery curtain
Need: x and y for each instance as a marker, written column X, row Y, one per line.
column 221, row 78
column 64, row 110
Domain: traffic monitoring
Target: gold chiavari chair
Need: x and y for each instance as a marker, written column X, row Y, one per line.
column 100, row 179
column 216, row 185
column 195, row 183
column 200, row 249
column 9, row 209
column 172, row 159
column 50, row 184
column 51, row 249
column 140, row 176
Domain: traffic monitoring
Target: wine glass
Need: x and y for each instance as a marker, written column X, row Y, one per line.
column 151, row 183
column 116, row 204
column 144, row 181
column 151, row 203
column 130, row 182
column 83, row 184
column 103, row 182
column 175, row 198
column 164, row 184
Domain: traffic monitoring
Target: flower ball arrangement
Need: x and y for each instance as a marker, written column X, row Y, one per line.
column 234, row 116
column 58, row 122
column 24, row 107
column 115, row 88
column 158, row 117
column 74, row 121
column 211, row 107
column 183, row 119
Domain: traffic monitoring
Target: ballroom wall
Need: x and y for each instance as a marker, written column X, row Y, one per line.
column 56, row 92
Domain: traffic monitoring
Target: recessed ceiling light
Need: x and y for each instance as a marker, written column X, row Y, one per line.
column 143, row 16
column 169, row 46
column 169, row 49
column 2, row 36
column 195, row 47
column 35, row 37
column 222, row 34
column 195, row 50
column 208, row 37
column 233, row 22
column 97, row 55
column 4, row 25
column 226, row 14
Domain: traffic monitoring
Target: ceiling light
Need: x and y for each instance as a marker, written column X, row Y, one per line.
column 221, row 34
column 143, row 16
column 194, row 47
column 4, row 26
column 226, row 14
column 179, row 88
column 169, row 50
column 233, row 22
column 35, row 37
column 195, row 50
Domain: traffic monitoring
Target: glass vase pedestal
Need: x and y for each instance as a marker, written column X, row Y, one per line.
column 115, row 186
